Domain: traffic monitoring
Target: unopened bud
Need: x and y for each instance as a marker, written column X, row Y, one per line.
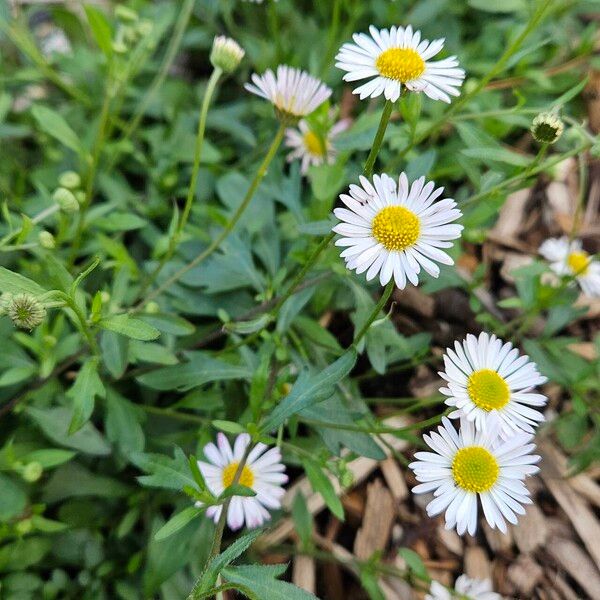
column 70, row 180
column 226, row 54
column 24, row 310
column 66, row 200
column 46, row 240
column 547, row 128
column 32, row 472
column 125, row 14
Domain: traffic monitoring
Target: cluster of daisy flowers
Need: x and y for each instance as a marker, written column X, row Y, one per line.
column 487, row 460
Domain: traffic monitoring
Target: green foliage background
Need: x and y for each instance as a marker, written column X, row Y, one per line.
column 108, row 404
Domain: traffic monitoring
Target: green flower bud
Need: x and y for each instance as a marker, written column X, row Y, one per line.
column 24, row 310
column 50, row 341
column 226, row 54
column 119, row 47
column 32, row 472
column 145, row 28
column 70, row 180
column 80, row 195
column 105, row 297
column 547, row 128
column 66, row 200
column 152, row 308
column 46, row 240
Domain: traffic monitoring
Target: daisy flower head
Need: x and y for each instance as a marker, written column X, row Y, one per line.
column 394, row 229
column 484, row 375
column 470, row 464
column 226, row 54
column 293, row 93
column 568, row 258
column 465, row 587
column 397, row 57
column 311, row 147
column 263, row 472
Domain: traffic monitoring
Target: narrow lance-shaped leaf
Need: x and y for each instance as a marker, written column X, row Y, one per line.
column 83, row 393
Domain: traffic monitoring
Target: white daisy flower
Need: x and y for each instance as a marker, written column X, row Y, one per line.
column 308, row 146
column 263, row 472
column 488, row 376
column 396, row 57
column 293, row 92
column 569, row 258
column 472, row 463
column 465, row 587
column 395, row 230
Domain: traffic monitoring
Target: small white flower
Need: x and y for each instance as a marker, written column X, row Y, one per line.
column 394, row 230
column 308, row 146
column 226, row 54
column 293, row 92
column 396, row 57
column 569, row 258
column 263, row 472
column 486, row 376
column 474, row 589
column 469, row 464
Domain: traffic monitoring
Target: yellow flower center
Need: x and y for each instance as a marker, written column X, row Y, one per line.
column 579, row 262
column 401, row 64
column 246, row 478
column 487, row 389
column 396, row 228
column 475, row 469
column 313, row 144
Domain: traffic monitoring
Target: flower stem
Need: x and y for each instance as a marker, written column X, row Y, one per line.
column 389, row 288
column 383, row 123
column 176, row 236
column 262, row 170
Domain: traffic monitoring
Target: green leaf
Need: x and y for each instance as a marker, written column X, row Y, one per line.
column 122, row 424
column 310, row 389
column 237, row 489
column 506, row 6
column 101, row 29
column 176, row 522
column 228, row 426
column 52, row 457
column 164, row 472
column 169, row 323
column 259, row 580
column 303, row 521
column 414, row 563
column 14, row 283
column 54, row 422
column 114, row 349
column 12, row 498
column 83, row 392
column 321, row 484
column 130, row 327
column 326, row 180
column 200, row 369
column 503, row 155
column 55, row 125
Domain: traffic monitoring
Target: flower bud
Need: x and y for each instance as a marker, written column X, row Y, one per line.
column 547, row 128
column 24, row 310
column 70, row 180
column 152, row 308
column 46, row 240
column 145, row 28
column 66, row 200
column 32, row 472
column 226, row 54
column 125, row 14
column 24, row 526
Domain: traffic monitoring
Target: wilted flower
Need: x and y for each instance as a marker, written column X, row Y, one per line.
column 465, row 587
column 470, row 464
column 310, row 147
column 547, row 128
column 394, row 230
column 486, row 376
column 226, row 54
column 293, row 93
column 24, row 310
column 397, row 57
column 569, row 258
column 263, row 472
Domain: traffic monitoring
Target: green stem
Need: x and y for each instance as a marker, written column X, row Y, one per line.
column 262, row 170
column 333, row 33
column 83, row 324
column 191, row 193
column 178, row 31
column 385, row 117
column 389, row 288
column 47, row 212
column 91, row 177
